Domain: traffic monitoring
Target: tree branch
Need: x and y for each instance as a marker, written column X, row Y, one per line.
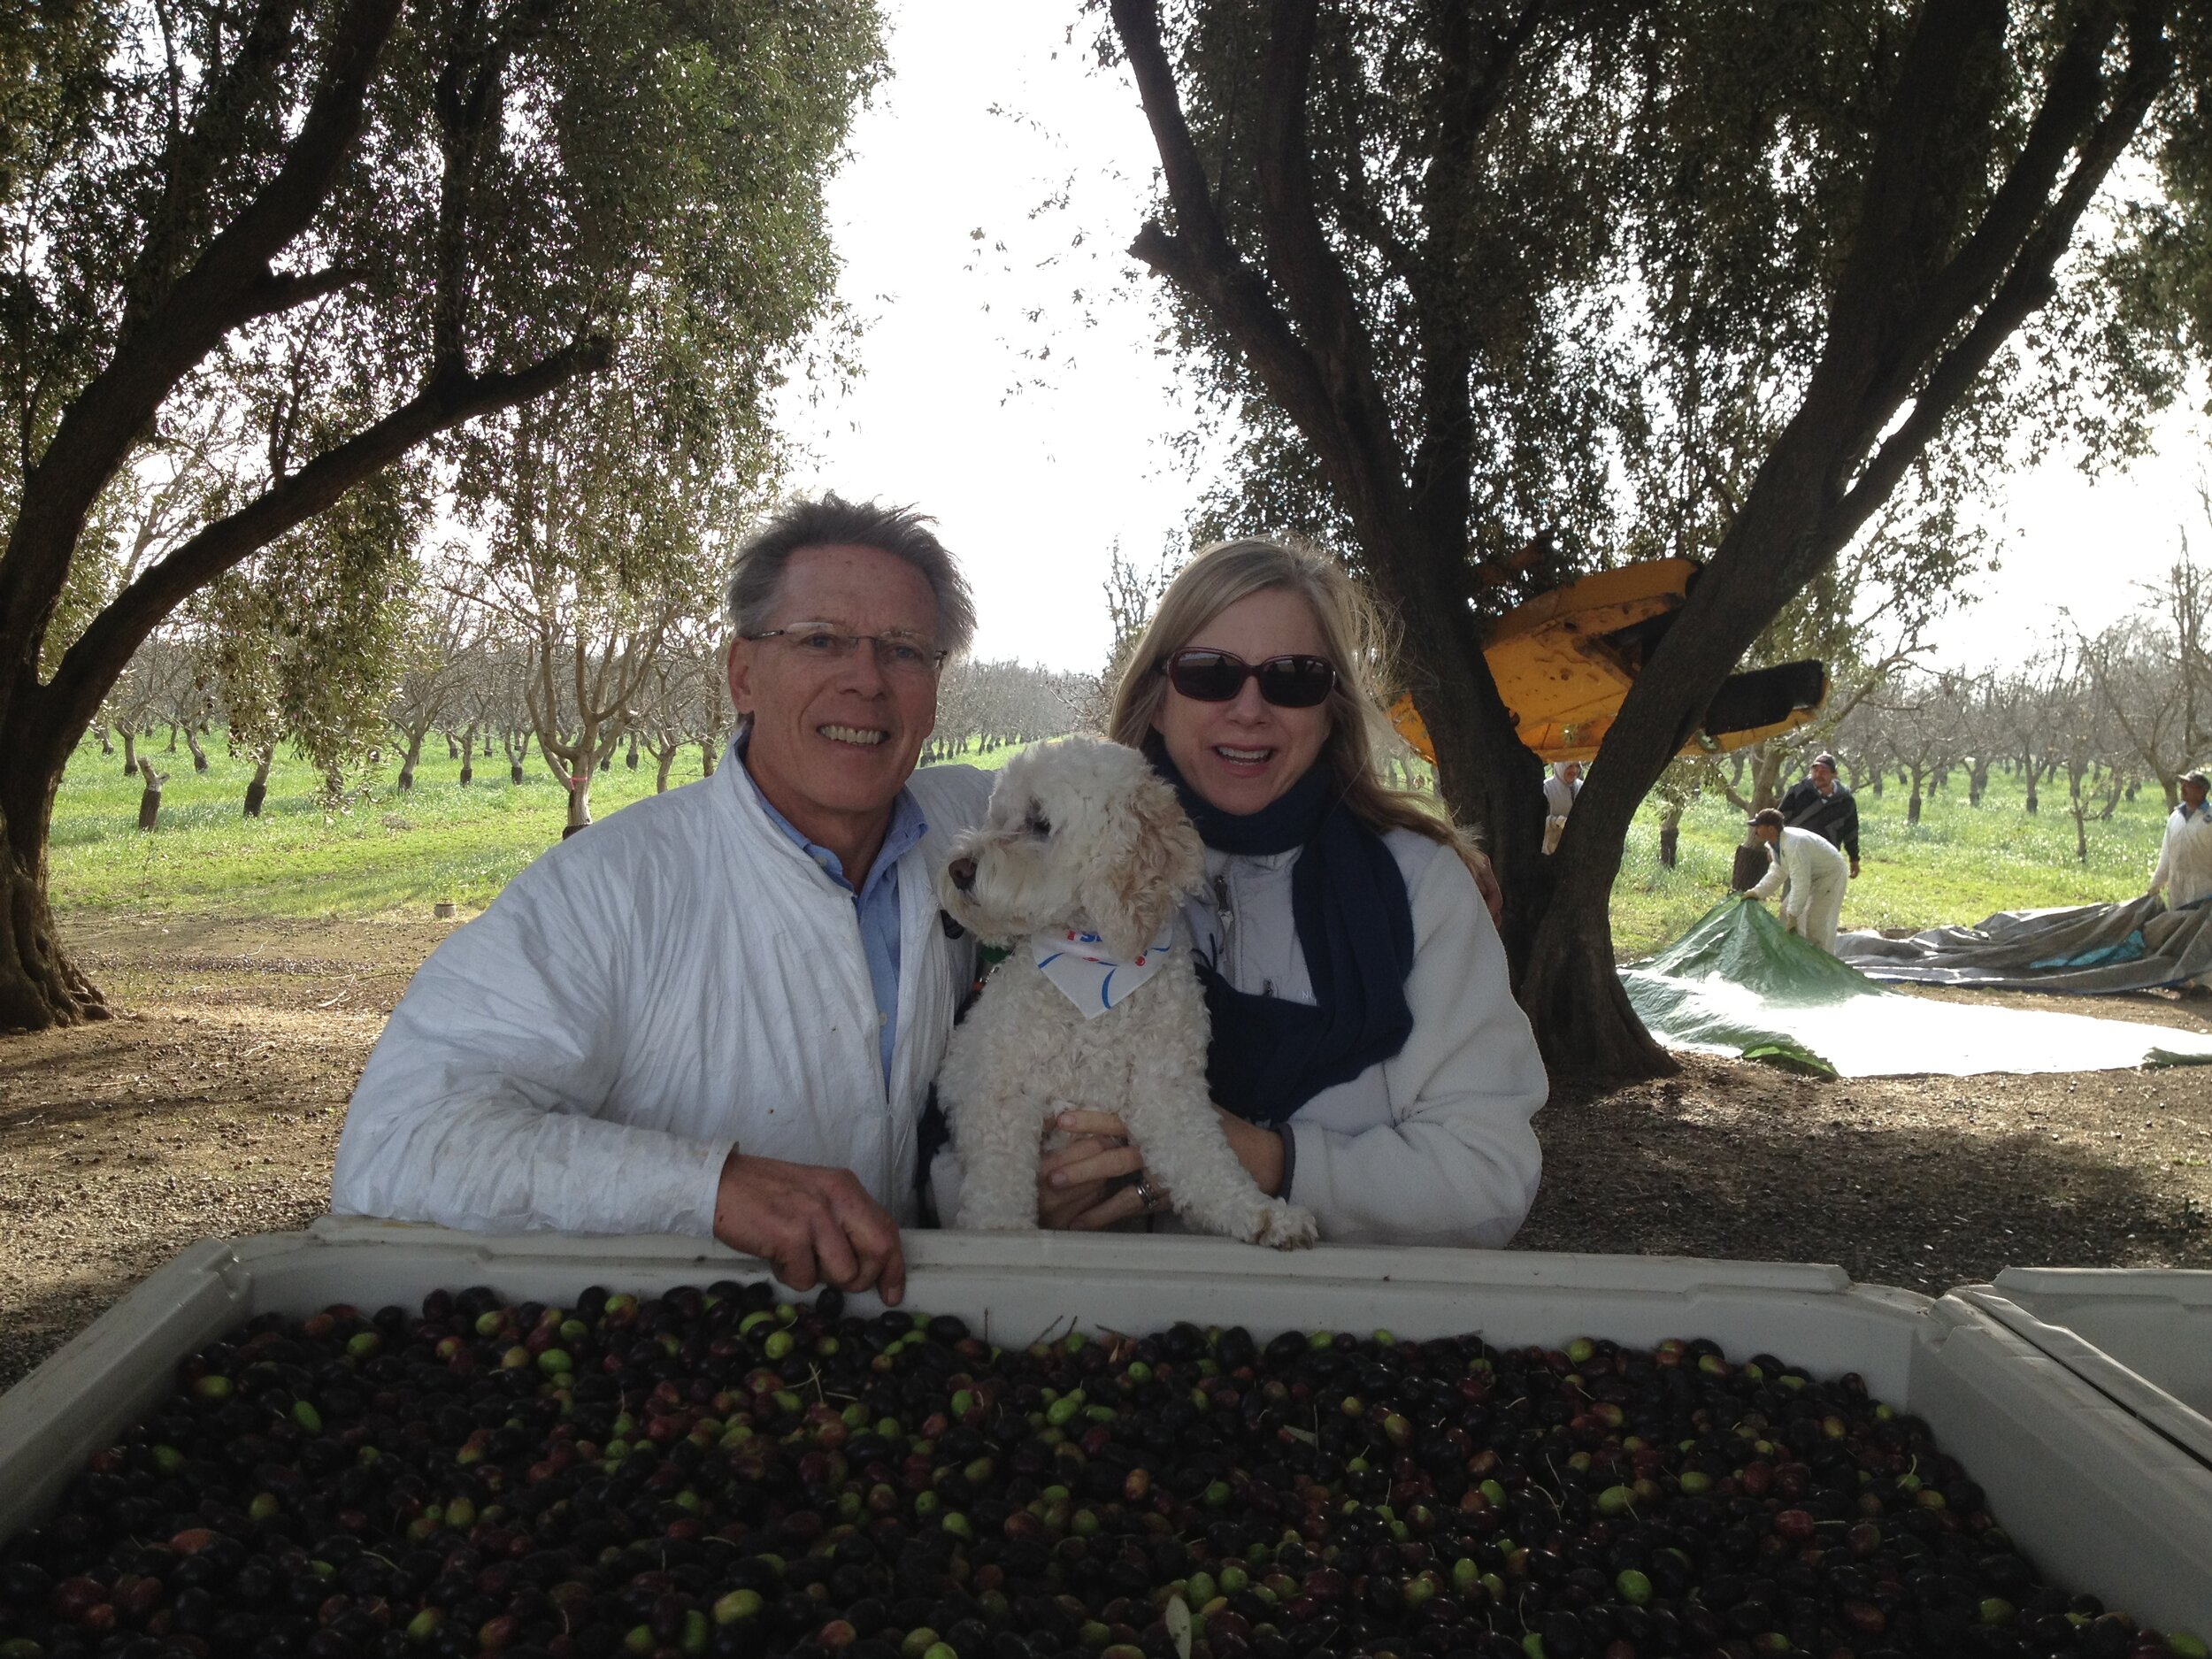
column 2027, row 287
column 224, row 287
column 92, row 663
column 2070, row 103
column 1199, row 258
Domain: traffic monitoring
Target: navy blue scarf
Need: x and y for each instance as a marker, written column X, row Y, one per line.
column 1267, row 1056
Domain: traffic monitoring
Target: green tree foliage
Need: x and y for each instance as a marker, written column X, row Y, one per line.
column 350, row 228
column 1505, row 290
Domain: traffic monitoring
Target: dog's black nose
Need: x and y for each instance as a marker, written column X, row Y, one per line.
column 962, row 873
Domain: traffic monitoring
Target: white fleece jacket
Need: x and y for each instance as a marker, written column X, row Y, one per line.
column 1433, row 1145
column 678, row 979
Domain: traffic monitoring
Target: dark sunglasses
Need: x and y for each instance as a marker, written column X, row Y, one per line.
column 1289, row 682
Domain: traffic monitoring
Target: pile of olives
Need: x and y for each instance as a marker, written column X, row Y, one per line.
column 713, row 1471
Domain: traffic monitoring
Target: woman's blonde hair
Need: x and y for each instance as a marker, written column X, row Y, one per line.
column 1353, row 637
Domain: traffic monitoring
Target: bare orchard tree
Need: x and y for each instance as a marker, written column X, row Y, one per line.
column 2084, row 739
column 129, row 708
column 2032, row 707
column 686, row 700
column 444, row 637
column 2152, row 678
column 601, row 510
column 1917, row 724
column 499, row 697
column 183, row 689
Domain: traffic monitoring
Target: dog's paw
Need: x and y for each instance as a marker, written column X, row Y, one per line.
column 1287, row 1227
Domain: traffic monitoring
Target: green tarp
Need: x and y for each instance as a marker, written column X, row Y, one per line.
column 1739, row 984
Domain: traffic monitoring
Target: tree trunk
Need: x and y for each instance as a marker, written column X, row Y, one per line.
column 468, row 755
column 172, row 738
column 1766, row 776
column 1573, row 992
column 1912, row 807
column 587, row 760
column 1976, row 782
column 130, row 751
column 629, row 759
column 199, row 754
column 106, row 748
column 257, row 791
column 664, row 759
column 514, row 771
column 407, row 765
column 40, row 986
column 452, row 749
column 150, row 797
column 1750, row 866
column 709, row 752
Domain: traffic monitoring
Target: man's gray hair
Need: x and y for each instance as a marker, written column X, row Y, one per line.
column 832, row 521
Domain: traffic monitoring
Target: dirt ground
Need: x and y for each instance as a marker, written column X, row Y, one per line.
column 212, row 1105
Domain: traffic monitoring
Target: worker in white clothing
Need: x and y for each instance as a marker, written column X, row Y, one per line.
column 1816, row 874
column 2185, row 858
column 1560, row 787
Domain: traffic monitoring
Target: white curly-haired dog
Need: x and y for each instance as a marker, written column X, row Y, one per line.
column 1081, row 865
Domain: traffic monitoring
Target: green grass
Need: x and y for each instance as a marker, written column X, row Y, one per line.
column 1958, row 865
column 387, row 853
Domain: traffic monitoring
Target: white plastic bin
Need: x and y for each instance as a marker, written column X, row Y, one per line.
column 2142, row 1336
column 2099, row 1501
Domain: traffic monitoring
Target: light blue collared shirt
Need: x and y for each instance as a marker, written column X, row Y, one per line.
column 875, row 905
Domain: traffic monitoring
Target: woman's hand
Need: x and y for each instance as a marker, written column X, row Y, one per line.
column 1077, row 1185
column 1259, row 1150
column 1080, row 1189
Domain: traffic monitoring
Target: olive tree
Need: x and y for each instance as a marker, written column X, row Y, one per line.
column 360, row 225
column 1501, row 290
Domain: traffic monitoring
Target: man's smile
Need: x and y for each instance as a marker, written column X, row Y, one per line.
column 864, row 736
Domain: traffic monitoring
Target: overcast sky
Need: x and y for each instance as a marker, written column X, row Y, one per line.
column 1035, row 467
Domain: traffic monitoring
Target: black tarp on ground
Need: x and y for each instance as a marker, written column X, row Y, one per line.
column 2084, row 951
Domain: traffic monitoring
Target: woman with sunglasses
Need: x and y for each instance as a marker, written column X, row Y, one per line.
column 1367, row 1057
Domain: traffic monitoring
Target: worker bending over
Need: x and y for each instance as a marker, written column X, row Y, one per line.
column 1815, row 873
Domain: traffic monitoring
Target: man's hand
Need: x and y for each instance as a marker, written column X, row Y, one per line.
column 1487, row 884
column 811, row 1224
column 1854, row 870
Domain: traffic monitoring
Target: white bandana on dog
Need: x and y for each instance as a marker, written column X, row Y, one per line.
column 1090, row 978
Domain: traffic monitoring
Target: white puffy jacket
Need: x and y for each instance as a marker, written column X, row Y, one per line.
column 680, row 977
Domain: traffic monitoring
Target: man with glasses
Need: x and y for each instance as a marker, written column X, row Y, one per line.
column 720, row 1010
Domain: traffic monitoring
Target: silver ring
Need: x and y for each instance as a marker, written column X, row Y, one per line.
column 1147, row 1194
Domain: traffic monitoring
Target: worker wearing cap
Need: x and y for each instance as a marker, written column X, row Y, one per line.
column 2185, row 858
column 1817, row 875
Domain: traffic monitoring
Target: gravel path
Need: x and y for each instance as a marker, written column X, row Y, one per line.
column 213, row 1107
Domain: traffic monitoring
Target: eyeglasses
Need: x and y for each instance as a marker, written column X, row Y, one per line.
column 1289, row 682
column 900, row 656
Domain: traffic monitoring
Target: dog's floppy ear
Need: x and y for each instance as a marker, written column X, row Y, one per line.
column 1153, row 858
